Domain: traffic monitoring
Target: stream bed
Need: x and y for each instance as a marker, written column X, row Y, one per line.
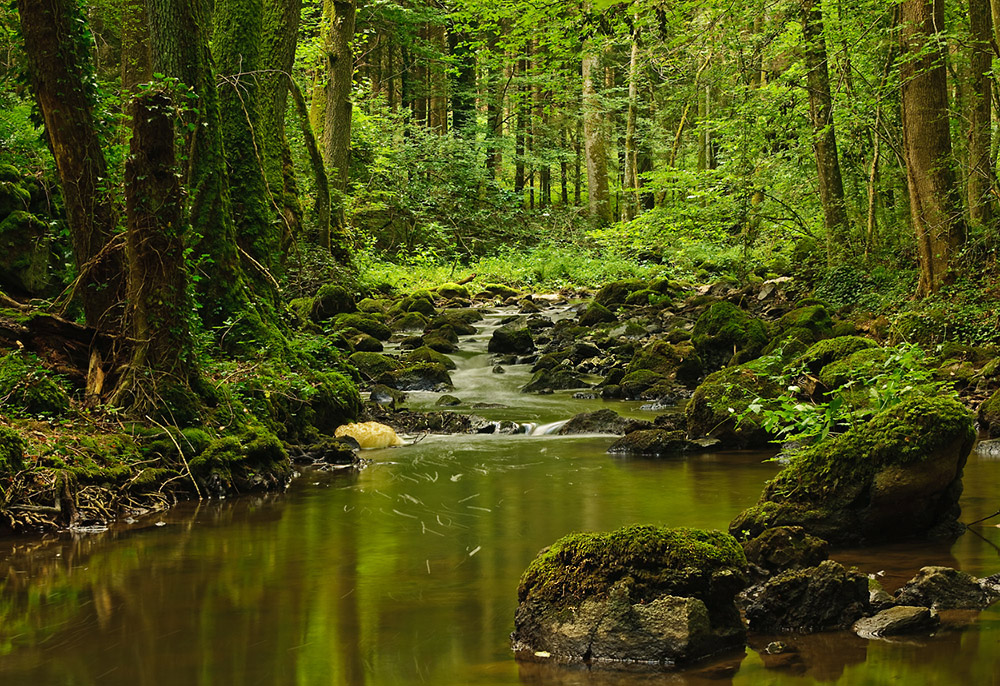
column 406, row 571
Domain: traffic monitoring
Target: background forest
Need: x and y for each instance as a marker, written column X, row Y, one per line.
column 191, row 189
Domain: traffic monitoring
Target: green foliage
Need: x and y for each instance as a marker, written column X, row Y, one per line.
column 12, row 446
column 29, row 388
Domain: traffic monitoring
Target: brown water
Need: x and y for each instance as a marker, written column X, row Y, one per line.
column 406, row 573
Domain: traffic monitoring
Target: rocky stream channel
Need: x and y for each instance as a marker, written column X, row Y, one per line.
column 402, row 565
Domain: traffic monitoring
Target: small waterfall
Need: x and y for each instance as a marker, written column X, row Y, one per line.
column 547, row 429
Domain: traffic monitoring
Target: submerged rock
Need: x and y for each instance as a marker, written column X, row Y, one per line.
column 821, row 598
column 656, row 443
column 944, row 588
column 599, row 422
column 641, row 593
column 898, row 621
column 898, row 476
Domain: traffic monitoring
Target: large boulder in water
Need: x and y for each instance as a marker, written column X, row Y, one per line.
column 898, row 476
column 642, row 593
column 511, row 340
column 944, row 588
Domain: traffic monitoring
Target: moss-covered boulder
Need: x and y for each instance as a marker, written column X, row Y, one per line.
column 511, row 340
column 452, row 290
column 459, row 323
column 373, row 365
column 616, row 292
column 896, row 477
column 724, row 332
column 24, row 253
column 680, row 362
column 424, row 305
column 808, row 324
column 859, row 366
column 830, row 350
column 554, row 379
column 426, row 354
column 422, row 376
column 989, row 416
column 722, row 398
column 254, row 461
column 12, row 446
column 785, row 547
column 657, row 443
column 331, row 300
column 595, row 314
column 641, row 593
column 410, row 321
column 26, row 386
column 371, row 324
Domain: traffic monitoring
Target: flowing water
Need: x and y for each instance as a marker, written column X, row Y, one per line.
column 406, row 572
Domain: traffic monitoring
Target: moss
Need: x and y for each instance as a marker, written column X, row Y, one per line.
column 26, row 386
column 724, row 330
column 372, row 306
column 12, row 446
column 422, row 376
column 331, row 300
column 24, row 252
column 498, row 290
column 301, row 310
column 458, row 323
column 860, row 365
column 616, row 292
column 423, row 305
column 989, row 415
column 811, row 323
column 108, row 460
column 410, row 321
column 827, row 351
column 369, row 323
column 452, row 290
column 250, row 461
column 373, row 365
column 178, row 405
column 680, row 362
column 596, row 313
column 722, row 397
column 642, row 298
column 425, row 354
column 652, row 560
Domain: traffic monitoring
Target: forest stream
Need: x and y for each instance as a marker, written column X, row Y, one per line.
column 405, row 572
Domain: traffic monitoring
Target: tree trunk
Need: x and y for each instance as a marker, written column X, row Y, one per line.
column 337, row 124
column 630, row 209
column 594, row 145
column 831, row 185
column 934, row 205
column 157, row 273
column 56, row 45
column 463, row 87
column 982, row 178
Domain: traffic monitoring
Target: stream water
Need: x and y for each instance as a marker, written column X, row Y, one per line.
column 406, row 572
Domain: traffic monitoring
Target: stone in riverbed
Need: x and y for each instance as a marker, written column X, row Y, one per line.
column 821, row 598
column 785, row 547
column 596, row 313
column 944, row 588
column 510, row 340
column 655, row 443
column 599, row 422
column 558, row 378
column 898, row 621
column 422, row 376
column 898, row 476
column 641, row 593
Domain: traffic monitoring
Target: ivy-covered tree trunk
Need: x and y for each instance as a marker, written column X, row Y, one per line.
column 62, row 76
column 934, row 203
column 236, row 49
column 982, row 177
column 279, row 39
column 337, row 123
column 630, row 206
column 159, row 306
column 179, row 46
column 831, row 184
column 593, row 141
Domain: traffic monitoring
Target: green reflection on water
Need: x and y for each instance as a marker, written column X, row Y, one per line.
column 406, row 574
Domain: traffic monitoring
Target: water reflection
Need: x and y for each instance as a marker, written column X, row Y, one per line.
column 406, row 572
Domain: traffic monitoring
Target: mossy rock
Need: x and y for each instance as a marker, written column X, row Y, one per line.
column 861, row 366
column 989, row 416
column 332, row 300
column 596, row 313
column 253, row 461
column 106, row 460
column 372, row 305
column 725, row 330
column 642, row 298
column 452, row 290
column 442, row 340
column 410, row 321
column 369, row 323
column 163, row 445
column 829, row 350
column 25, row 254
column 455, row 320
column 925, row 327
column 362, row 342
column 499, row 290
column 373, row 365
column 664, row 286
column 26, row 386
column 422, row 376
column 722, row 398
column 895, row 477
column 511, row 340
column 640, row 594
column 301, row 310
column 679, row 362
column 14, row 197
column 426, row 354
column 615, row 293
column 423, row 305
column 12, row 446
column 557, row 378
column 809, row 324
column 635, row 384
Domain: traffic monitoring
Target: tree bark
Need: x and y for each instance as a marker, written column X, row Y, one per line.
column 337, row 124
column 982, row 178
column 61, row 74
column 594, row 144
column 463, row 88
column 934, row 203
column 831, row 184
column 630, row 209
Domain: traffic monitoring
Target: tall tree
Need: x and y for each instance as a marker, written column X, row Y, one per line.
column 982, row 177
column 831, row 184
column 58, row 49
column 593, row 140
column 934, row 203
column 340, row 70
